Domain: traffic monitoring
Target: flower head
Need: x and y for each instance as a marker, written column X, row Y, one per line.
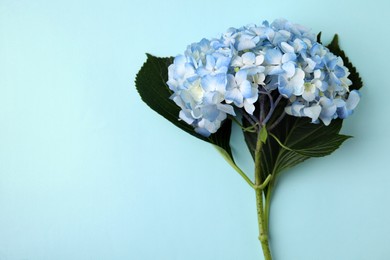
column 215, row 77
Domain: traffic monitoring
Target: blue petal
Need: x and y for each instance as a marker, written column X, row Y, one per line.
column 288, row 57
column 222, row 62
column 289, row 68
column 246, row 89
column 196, row 113
column 274, row 70
column 284, row 89
column 210, row 112
column 241, row 76
column 186, row 117
column 214, row 83
column 342, row 112
column 331, row 61
column 202, row 71
column 245, row 44
column 231, row 82
column 272, row 82
column 212, row 126
column 202, row 131
column 281, row 36
column 287, row 48
column 328, row 107
column 311, row 64
column 299, row 45
column 235, row 96
column 273, row 56
column 335, row 80
column 353, row 99
column 339, row 71
column 210, row 62
column 180, row 60
column 228, row 109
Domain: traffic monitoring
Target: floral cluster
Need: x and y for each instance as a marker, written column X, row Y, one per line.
column 219, row 77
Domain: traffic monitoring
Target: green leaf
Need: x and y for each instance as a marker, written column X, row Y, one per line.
column 319, row 37
column 151, row 85
column 314, row 140
column 306, row 140
column 334, row 47
column 296, row 140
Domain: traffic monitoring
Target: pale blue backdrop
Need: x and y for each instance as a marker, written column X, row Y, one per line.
column 88, row 171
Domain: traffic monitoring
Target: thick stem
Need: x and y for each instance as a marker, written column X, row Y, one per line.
column 268, row 204
column 263, row 234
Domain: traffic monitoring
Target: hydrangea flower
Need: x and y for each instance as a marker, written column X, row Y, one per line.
column 221, row 77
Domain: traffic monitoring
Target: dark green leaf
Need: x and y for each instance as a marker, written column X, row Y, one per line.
column 306, row 140
column 151, row 85
column 334, row 47
column 300, row 140
column 315, row 140
column 319, row 38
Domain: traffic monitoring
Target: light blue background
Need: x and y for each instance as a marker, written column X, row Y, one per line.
column 88, row 171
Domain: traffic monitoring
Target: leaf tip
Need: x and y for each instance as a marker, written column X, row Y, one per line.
column 335, row 42
column 319, row 37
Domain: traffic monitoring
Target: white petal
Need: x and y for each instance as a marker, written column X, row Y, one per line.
column 297, row 82
column 249, row 107
column 313, row 112
column 317, row 74
column 237, row 62
column 287, row 47
column 248, row 58
column 308, row 96
column 326, row 120
column 259, row 59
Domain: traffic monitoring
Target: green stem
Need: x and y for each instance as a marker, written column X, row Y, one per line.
column 229, row 159
column 268, row 204
column 263, row 234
